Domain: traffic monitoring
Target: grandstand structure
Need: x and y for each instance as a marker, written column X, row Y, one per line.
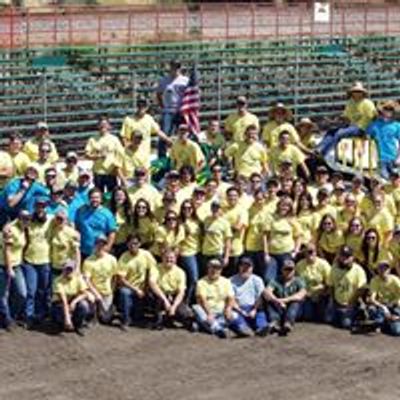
column 70, row 87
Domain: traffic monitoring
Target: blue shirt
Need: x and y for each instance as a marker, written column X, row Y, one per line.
column 247, row 291
column 91, row 223
column 27, row 202
column 387, row 136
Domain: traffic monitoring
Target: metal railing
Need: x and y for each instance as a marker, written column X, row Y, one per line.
column 54, row 26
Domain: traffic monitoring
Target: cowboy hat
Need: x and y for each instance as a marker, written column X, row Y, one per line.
column 306, row 121
column 280, row 106
column 357, row 87
column 387, row 105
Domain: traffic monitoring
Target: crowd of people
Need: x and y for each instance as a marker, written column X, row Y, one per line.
column 245, row 231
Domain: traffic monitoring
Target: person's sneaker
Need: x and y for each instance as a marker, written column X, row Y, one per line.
column 123, row 327
column 10, row 327
column 221, row 333
column 262, row 332
column 286, row 328
column 273, row 328
column 80, row 332
column 194, row 327
column 244, row 332
column 30, row 324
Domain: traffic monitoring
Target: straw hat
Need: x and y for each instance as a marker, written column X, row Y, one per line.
column 388, row 105
column 357, row 87
column 280, row 106
column 306, row 121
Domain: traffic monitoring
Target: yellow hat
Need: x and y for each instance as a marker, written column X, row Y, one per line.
column 357, row 87
column 280, row 106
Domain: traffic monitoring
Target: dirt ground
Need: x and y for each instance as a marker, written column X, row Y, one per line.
column 316, row 362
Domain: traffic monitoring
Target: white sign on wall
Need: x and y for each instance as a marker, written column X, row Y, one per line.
column 322, row 11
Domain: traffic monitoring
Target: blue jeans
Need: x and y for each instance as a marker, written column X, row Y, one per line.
column 219, row 324
column 389, row 327
column 258, row 323
column 282, row 315
column 340, row 316
column 38, row 283
column 334, row 136
column 313, row 311
column 105, row 182
column 129, row 305
column 274, row 266
column 169, row 124
column 191, row 266
column 82, row 312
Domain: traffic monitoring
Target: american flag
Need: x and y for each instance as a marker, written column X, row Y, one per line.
column 191, row 103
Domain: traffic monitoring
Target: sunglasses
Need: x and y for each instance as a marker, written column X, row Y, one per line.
column 171, row 219
column 371, row 237
column 142, row 207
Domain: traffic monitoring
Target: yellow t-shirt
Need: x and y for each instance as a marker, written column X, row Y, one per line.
column 346, row 283
column 320, row 212
column 100, row 271
column 386, row 291
column 107, row 146
column 306, row 221
column 272, row 130
column 237, row 124
column 315, row 274
column 146, row 229
column 170, row 280
column 255, row 231
column 282, row 233
column 31, row 149
column 344, row 217
column 64, row 243
column 204, row 210
column 186, row 153
column 38, row 249
column 135, row 268
column 248, row 159
column 360, row 113
column 41, row 168
column 6, row 163
column 70, row 287
column 355, row 243
column 15, row 244
column 21, row 162
column 131, row 159
column 331, row 242
column 191, row 243
column 372, row 264
column 367, row 207
column 164, row 238
column 237, row 215
column 147, row 192
column 215, row 293
column 68, row 176
column 216, row 232
column 291, row 153
column 146, row 125
column 394, row 249
column 382, row 221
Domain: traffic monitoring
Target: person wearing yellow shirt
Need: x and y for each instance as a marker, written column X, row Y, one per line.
column 187, row 184
column 238, row 219
column 354, row 236
column 189, row 248
column 132, row 276
column 20, row 160
column 214, row 301
column 71, row 304
column 64, row 243
column 306, row 130
column 357, row 189
column 104, row 150
column 222, row 186
column 6, row 168
column 217, row 239
column 202, row 199
column 282, row 238
column 271, row 195
column 316, row 273
column 284, row 151
column 99, row 271
column 235, row 124
column 373, row 252
column 36, row 265
column 248, row 156
column 169, row 203
column 329, row 238
column 31, row 147
column 142, row 189
column 144, row 223
column 348, row 280
column 358, row 114
column 70, row 173
column 12, row 280
column 305, row 217
column 142, row 121
column 169, row 234
column 323, row 207
column 347, row 212
column 43, row 163
column 185, row 151
column 394, row 249
column 384, row 302
column 131, row 158
column 279, row 117
column 167, row 283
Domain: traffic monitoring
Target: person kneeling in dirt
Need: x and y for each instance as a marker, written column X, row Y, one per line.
column 384, row 301
column 99, row 271
column 348, row 281
column 167, row 284
column 70, row 307
column 249, row 291
column 285, row 295
column 215, row 299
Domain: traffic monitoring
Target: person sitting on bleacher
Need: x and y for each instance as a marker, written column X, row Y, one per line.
column 386, row 133
column 358, row 114
column 31, row 147
column 235, row 124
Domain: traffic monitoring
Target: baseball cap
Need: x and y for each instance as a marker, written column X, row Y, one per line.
column 384, row 265
column 346, row 252
column 288, row 264
column 214, row 263
column 71, row 155
column 42, row 125
column 51, row 171
column 84, row 172
column 173, row 175
column 71, row 185
column 241, row 100
column 322, row 170
column 246, row 261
